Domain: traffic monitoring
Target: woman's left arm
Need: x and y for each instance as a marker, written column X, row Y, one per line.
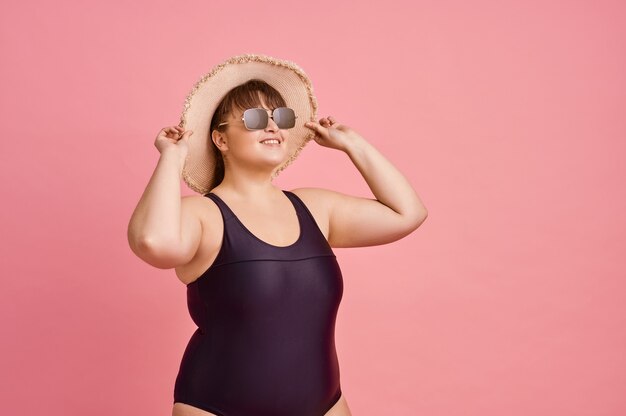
column 355, row 221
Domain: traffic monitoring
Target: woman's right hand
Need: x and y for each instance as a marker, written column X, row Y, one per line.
column 173, row 139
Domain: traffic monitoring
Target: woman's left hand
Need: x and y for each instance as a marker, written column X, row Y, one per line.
column 331, row 134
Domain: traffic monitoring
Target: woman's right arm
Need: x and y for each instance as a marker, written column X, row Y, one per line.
column 164, row 230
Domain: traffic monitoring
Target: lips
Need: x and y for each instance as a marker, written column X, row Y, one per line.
column 271, row 138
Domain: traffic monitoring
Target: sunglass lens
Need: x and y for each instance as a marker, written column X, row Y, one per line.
column 284, row 117
column 255, row 118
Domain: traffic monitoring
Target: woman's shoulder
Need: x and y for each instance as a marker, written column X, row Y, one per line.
column 317, row 204
column 195, row 200
column 317, row 200
column 315, row 196
column 310, row 195
column 208, row 214
column 200, row 206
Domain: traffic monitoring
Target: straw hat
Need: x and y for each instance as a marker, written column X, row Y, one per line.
column 285, row 76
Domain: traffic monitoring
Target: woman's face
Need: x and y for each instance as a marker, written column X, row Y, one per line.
column 243, row 147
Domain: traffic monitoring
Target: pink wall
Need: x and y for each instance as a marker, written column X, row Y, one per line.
column 506, row 116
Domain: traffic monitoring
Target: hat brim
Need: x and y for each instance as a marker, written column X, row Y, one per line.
column 202, row 101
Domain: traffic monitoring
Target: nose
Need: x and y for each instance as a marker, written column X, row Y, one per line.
column 271, row 125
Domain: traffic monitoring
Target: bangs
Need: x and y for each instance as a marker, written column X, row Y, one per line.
column 251, row 94
column 247, row 95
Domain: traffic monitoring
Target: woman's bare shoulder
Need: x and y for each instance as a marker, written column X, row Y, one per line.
column 310, row 191
column 314, row 196
column 197, row 200
column 310, row 196
column 209, row 217
column 201, row 207
column 317, row 201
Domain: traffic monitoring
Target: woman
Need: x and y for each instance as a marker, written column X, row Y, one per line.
column 263, row 283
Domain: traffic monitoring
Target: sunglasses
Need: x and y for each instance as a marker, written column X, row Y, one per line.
column 257, row 118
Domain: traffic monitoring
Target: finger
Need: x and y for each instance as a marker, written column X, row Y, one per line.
column 333, row 121
column 181, row 136
column 315, row 126
column 338, row 125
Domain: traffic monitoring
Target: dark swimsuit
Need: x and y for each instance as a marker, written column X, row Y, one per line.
column 265, row 343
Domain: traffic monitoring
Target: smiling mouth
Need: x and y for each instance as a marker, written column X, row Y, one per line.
column 271, row 142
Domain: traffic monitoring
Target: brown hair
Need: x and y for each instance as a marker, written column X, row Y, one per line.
column 242, row 97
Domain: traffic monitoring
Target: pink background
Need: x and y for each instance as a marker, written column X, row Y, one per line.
column 507, row 117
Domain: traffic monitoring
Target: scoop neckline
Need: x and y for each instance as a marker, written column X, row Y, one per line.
column 300, row 225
